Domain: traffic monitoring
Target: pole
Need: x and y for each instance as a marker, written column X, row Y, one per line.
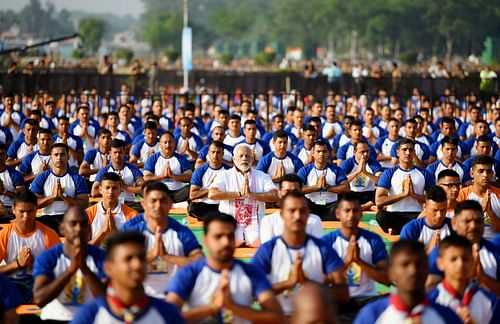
column 186, row 17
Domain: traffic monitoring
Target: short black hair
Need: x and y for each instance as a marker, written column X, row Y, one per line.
column 309, row 127
column 113, row 113
column 291, row 177
column 293, row 194
column 117, row 143
column 315, row 119
column 436, row 194
column 36, row 112
column 57, row 145
column 157, row 186
column 44, row 131
column 448, row 173
column 482, row 159
column 349, row 196
column 468, row 205
column 218, row 217
column 450, row 140
column 65, row 118
column 483, row 138
column 26, row 196
column 280, row 134
column 446, row 120
column 120, row 238
column 249, row 122
column 235, row 117
column 111, row 176
column 411, row 121
column 217, row 144
column 454, row 241
column 103, row 131
column 31, row 122
column 150, row 125
column 408, row 247
column 356, row 123
column 405, row 141
column 3, row 146
column 167, row 133
column 360, row 142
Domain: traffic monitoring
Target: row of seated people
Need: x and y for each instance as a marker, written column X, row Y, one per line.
column 159, row 258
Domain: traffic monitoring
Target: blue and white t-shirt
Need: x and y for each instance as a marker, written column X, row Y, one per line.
column 436, row 151
column 75, row 143
column 268, row 139
column 98, row 311
column 11, row 179
column 77, row 130
column 270, row 163
column 143, row 150
column 327, row 126
column 72, row 185
column 18, row 119
column 389, row 310
column 371, row 250
column 340, row 140
column 302, row 153
column 33, row 163
column 19, row 149
column 384, row 147
column 483, row 306
column 393, row 180
column 347, row 150
column 197, row 284
column 129, row 174
column 5, row 135
column 276, row 259
column 436, row 167
column 52, row 263
column 178, row 165
column 124, row 136
column 194, row 142
column 418, row 230
column 361, row 182
column 178, row 240
column 259, row 148
column 95, row 158
column 333, row 176
column 232, row 141
column 10, row 295
column 422, row 151
column 488, row 253
column 377, row 131
column 203, row 178
column 228, row 153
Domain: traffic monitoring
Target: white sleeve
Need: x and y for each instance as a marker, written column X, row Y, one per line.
column 219, row 182
column 266, row 229
column 268, row 183
column 314, row 226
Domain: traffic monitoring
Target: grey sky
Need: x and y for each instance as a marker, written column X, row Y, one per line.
column 118, row 7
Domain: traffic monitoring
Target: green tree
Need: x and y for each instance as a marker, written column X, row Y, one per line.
column 91, row 31
column 163, row 30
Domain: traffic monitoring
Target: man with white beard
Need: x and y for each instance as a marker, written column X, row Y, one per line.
column 243, row 193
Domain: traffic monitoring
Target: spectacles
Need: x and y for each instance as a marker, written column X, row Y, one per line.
column 452, row 185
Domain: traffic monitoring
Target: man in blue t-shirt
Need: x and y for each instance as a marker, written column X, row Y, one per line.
column 9, row 302
column 126, row 299
column 219, row 287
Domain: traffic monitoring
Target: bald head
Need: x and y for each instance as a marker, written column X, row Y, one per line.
column 314, row 303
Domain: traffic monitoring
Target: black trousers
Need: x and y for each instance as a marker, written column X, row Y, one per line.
column 348, row 311
column 201, row 210
column 394, row 220
column 180, row 195
column 52, row 221
column 365, row 196
column 325, row 212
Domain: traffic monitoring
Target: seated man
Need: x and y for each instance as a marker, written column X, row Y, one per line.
column 401, row 190
column 217, row 135
column 481, row 128
column 272, row 224
column 449, row 180
column 24, row 145
column 68, row 275
column 22, row 241
column 456, row 260
column 84, row 128
column 468, row 222
column 243, row 192
column 323, row 182
column 314, row 303
column 362, row 174
column 347, row 150
column 280, row 162
column 303, row 152
column 126, row 270
column 169, row 244
column 484, row 146
column 291, row 259
column 385, row 143
column 109, row 214
column 131, row 176
column 96, row 159
column 188, row 143
column 278, row 124
column 363, row 253
column 447, row 128
column 433, row 225
column 11, row 181
column 449, row 148
column 200, row 206
column 233, row 134
column 9, row 302
column 258, row 147
column 220, row 287
column 421, row 150
column 59, row 188
column 112, row 125
column 75, row 143
column 485, row 193
column 38, row 161
column 407, row 304
column 169, row 167
column 147, row 147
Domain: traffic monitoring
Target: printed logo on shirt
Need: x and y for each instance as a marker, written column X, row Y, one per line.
column 158, row 266
column 75, row 290
column 354, row 275
column 360, row 180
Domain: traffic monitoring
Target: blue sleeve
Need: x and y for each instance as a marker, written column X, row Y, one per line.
column 465, row 148
column 183, row 281
column 328, row 238
column 431, row 168
column 10, row 295
column 203, row 153
column 331, row 260
column 462, row 131
column 347, row 166
column 99, row 257
column 296, row 150
column 265, row 148
column 340, row 175
column 434, row 148
column 467, row 176
column 79, row 143
column 100, row 174
column 375, row 166
column 45, row 262
column 260, row 283
column 12, row 151
column 336, row 140
column 86, row 313
column 385, row 179
column 136, row 172
column 426, row 155
column 184, row 163
column 38, row 182
column 303, row 173
column 150, row 163
column 341, row 154
column 297, row 163
column 429, row 179
column 262, row 258
column 394, row 151
column 136, row 149
column 128, row 140
column 379, row 251
column 378, row 144
column 188, row 240
column 447, row 314
column 169, row 312
column 371, row 312
column 433, row 268
column 199, row 143
column 17, row 177
column 80, row 184
column 410, row 231
column 197, row 178
column 264, row 163
column 89, row 156
column 25, row 166
column 373, row 153
column 495, row 317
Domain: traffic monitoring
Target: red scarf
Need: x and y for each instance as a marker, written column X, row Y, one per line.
column 129, row 313
column 468, row 294
column 413, row 314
